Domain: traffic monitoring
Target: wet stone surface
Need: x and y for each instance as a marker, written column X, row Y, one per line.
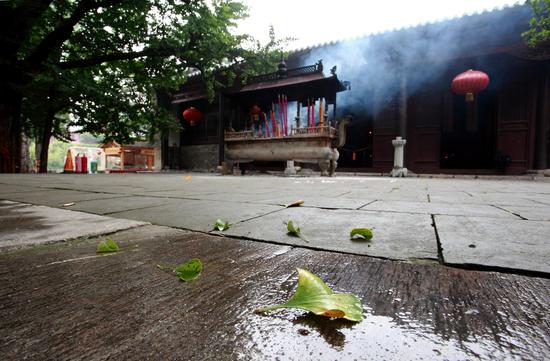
column 24, row 225
column 63, row 302
column 497, row 242
column 401, row 210
column 330, row 229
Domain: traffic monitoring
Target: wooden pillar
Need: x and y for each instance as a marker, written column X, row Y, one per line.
column 327, row 119
column 542, row 127
column 221, row 130
column 403, row 106
column 334, row 111
column 298, row 108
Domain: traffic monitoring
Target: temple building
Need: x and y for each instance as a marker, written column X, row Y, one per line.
column 399, row 86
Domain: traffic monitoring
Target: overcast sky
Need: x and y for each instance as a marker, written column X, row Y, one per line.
column 319, row 21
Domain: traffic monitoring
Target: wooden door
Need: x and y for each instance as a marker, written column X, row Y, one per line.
column 386, row 117
column 516, row 119
column 422, row 151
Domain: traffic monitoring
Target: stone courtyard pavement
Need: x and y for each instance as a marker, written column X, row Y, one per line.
column 457, row 269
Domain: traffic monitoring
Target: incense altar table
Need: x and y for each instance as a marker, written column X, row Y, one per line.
column 266, row 131
column 306, row 145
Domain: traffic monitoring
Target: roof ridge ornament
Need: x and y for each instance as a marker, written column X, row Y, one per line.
column 319, row 65
column 281, row 69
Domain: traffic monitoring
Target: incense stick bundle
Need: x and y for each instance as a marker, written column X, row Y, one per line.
column 286, row 113
column 273, row 120
column 268, row 134
column 280, row 114
column 308, row 115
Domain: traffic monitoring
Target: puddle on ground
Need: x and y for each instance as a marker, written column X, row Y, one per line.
column 296, row 335
column 443, row 330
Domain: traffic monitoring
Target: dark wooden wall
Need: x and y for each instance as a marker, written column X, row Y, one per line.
column 500, row 123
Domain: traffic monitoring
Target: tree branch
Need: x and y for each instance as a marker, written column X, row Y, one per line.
column 64, row 30
column 153, row 52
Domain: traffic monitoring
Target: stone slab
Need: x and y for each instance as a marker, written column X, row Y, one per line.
column 23, row 225
column 538, row 213
column 57, row 197
column 394, row 237
column 463, row 198
column 119, row 204
column 64, row 302
column 196, row 215
column 540, row 199
column 317, row 201
column 8, row 189
column 172, row 193
column 512, row 244
column 473, row 210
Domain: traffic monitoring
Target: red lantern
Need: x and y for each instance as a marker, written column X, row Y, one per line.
column 255, row 111
column 192, row 115
column 469, row 83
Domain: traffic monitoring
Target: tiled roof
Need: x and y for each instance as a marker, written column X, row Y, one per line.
column 519, row 6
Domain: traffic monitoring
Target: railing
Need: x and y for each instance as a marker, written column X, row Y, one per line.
column 318, row 130
column 304, row 70
column 247, row 134
column 321, row 130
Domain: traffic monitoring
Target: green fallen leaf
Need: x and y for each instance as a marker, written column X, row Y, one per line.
column 294, row 204
column 313, row 295
column 187, row 271
column 221, row 225
column 107, row 246
column 363, row 233
column 294, row 230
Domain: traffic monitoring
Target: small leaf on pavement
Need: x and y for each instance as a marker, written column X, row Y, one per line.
column 313, row 295
column 294, row 230
column 295, row 203
column 361, row 233
column 221, row 225
column 189, row 270
column 107, row 246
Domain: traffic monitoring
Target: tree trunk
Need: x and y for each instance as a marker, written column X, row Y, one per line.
column 10, row 130
column 26, row 166
column 37, row 148
column 46, row 136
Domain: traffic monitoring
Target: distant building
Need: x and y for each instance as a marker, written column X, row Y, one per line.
column 400, row 86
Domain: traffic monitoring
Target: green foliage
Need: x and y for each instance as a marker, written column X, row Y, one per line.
column 259, row 58
column 221, row 225
column 58, row 151
column 539, row 25
column 362, row 233
column 313, row 295
column 88, row 138
column 101, row 74
column 107, row 246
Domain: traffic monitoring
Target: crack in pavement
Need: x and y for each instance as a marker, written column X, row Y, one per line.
column 508, row 211
column 438, row 241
